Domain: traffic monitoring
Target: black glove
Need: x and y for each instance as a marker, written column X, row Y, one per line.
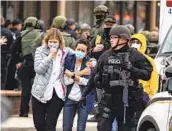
column 82, row 102
column 128, row 66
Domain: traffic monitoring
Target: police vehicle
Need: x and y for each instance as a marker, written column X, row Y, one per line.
column 158, row 114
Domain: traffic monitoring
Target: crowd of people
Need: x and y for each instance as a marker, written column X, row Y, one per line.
column 79, row 68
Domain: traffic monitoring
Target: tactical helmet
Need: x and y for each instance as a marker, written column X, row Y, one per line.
column 59, row 22
column 153, row 36
column 131, row 28
column 40, row 24
column 70, row 22
column 30, row 21
column 85, row 26
column 121, row 31
column 110, row 19
column 101, row 9
column 146, row 34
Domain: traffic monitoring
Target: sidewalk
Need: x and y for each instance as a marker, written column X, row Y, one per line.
column 16, row 123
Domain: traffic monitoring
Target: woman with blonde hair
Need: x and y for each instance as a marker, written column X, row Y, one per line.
column 48, row 90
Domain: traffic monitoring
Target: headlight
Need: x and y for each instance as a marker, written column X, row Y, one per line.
column 170, row 124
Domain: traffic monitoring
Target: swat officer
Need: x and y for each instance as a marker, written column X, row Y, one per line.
column 100, row 13
column 22, row 50
column 117, row 74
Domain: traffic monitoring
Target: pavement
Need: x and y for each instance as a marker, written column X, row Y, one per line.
column 16, row 123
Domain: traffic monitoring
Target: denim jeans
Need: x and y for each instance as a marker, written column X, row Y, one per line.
column 69, row 112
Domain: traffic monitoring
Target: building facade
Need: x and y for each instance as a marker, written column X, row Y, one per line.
column 142, row 14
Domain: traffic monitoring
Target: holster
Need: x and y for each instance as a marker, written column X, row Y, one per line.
column 105, row 81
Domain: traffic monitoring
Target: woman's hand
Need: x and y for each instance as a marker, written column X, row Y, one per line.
column 86, row 71
column 68, row 73
column 53, row 52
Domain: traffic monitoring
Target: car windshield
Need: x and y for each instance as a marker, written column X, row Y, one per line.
column 166, row 48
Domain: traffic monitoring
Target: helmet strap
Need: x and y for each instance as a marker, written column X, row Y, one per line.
column 119, row 44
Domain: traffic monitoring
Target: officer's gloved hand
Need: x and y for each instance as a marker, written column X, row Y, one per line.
column 128, row 66
column 82, row 101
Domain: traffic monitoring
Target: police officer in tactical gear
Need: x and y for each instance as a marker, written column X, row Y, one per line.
column 117, row 74
column 100, row 13
column 101, row 42
column 22, row 50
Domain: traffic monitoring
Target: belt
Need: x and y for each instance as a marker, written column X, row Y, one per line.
column 121, row 83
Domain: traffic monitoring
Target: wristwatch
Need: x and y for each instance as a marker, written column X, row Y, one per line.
column 73, row 76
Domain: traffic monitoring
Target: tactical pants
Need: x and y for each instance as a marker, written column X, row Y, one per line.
column 3, row 72
column 105, row 124
column 26, row 77
column 11, row 82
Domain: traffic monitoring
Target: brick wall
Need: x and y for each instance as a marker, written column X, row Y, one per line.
column 15, row 98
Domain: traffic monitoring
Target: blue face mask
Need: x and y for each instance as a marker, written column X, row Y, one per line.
column 53, row 45
column 79, row 54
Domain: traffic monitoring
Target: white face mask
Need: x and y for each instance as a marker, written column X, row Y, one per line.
column 136, row 45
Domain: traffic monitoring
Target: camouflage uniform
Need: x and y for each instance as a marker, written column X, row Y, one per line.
column 102, row 11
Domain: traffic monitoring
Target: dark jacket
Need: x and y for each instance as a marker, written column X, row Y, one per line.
column 141, row 66
column 70, row 65
column 5, row 54
column 15, row 32
column 8, row 35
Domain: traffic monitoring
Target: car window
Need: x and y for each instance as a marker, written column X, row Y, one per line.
column 167, row 44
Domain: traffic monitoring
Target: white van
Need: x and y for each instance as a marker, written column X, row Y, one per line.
column 165, row 35
column 158, row 114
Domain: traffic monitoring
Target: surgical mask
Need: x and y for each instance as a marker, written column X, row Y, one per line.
column 136, row 45
column 53, row 45
column 79, row 54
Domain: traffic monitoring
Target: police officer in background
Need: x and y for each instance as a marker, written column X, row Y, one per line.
column 25, row 63
column 84, row 31
column 7, row 37
column 100, row 13
column 101, row 42
column 117, row 74
column 11, row 82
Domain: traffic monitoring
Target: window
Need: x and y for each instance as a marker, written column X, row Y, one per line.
column 167, row 48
